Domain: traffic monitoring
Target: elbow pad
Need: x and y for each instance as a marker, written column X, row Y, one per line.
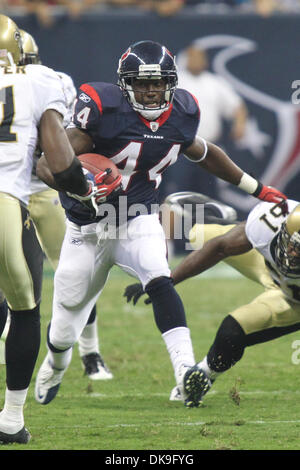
column 72, row 179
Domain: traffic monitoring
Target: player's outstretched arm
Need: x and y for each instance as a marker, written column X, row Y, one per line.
column 232, row 243
column 213, row 159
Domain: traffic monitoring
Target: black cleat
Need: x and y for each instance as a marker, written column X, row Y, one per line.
column 95, row 368
column 21, row 437
column 196, row 384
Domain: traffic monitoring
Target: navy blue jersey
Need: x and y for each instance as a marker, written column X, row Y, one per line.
column 142, row 150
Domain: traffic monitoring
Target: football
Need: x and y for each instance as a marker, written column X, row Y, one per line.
column 94, row 163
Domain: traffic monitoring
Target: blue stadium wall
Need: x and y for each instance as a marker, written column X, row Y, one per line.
column 259, row 56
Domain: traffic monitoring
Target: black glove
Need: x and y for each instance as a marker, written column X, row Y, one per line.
column 134, row 292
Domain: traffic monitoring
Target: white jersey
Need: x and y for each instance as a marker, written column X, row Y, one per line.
column 26, row 93
column 262, row 228
column 70, row 94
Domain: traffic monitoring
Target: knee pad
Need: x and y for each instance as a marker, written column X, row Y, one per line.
column 158, row 286
column 228, row 347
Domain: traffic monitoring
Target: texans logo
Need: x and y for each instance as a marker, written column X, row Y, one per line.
column 126, row 54
column 270, row 148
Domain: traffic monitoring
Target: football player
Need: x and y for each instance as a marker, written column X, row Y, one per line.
column 49, row 220
column 142, row 124
column 217, row 219
column 266, row 249
column 276, row 312
column 32, row 103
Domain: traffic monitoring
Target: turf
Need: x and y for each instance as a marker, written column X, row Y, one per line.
column 254, row 406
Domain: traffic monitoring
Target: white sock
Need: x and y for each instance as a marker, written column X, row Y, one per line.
column 11, row 417
column 180, row 348
column 211, row 374
column 88, row 341
column 61, row 360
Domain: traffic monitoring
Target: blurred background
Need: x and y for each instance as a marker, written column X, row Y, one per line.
column 239, row 57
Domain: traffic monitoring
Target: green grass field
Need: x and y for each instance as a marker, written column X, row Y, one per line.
column 253, row 406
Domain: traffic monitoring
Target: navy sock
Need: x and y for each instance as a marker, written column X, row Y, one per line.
column 167, row 305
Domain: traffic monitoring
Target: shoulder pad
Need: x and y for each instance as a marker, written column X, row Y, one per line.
column 105, row 95
column 66, row 80
column 186, row 101
column 36, row 70
column 69, row 88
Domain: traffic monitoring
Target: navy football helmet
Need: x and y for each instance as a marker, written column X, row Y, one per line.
column 148, row 60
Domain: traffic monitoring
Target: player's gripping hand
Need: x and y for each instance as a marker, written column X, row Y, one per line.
column 269, row 194
column 134, row 292
column 98, row 191
column 105, row 192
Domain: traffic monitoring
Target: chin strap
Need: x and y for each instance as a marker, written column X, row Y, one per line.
column 151, row 115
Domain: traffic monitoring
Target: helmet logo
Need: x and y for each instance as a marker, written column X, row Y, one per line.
column 126, row 54
column 169, row 53
column 18, row 39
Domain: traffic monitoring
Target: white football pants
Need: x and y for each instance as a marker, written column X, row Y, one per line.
column 88, row 253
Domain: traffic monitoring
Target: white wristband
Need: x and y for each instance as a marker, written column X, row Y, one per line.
column 204, row 154
column 248, row 183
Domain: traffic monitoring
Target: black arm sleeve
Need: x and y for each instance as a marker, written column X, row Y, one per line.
column 72, row 179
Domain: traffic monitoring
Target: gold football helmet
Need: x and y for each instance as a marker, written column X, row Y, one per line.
column 11, row 50
column 30, row 49
column 287, row 251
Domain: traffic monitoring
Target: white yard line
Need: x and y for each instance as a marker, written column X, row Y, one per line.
column 149, row 395
column 202, row 423
column 174, row 423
